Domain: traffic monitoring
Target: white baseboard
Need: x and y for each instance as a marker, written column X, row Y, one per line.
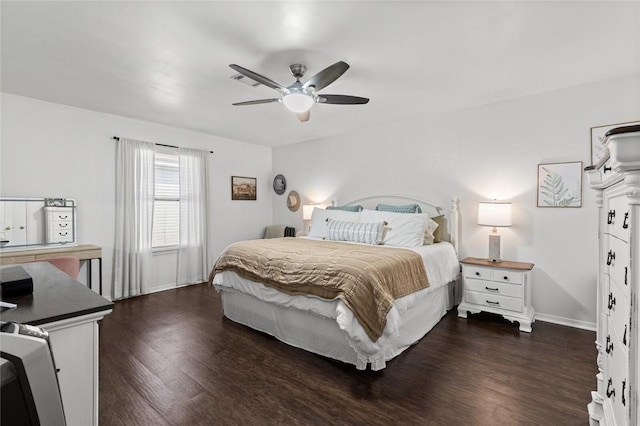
column 590, row 326
column 166, row 287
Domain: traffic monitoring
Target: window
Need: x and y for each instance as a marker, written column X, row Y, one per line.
column 166, row 207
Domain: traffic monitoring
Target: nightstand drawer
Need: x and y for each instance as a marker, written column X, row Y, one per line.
column 506, row 276
column 494, row 301
column 492, row 287
column 477, row 273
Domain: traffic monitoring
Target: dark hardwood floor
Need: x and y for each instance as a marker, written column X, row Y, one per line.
column 171, row 358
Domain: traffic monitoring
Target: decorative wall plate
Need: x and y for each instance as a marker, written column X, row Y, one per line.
column 279, row 184
column 293, row 201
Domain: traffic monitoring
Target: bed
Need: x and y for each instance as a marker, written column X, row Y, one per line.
column 329, row 324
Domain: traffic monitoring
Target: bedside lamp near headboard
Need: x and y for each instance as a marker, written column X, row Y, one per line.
column 496, row 214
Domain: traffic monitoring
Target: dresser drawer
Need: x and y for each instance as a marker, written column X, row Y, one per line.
column 61, row 236
column 494, row 301
column 618, row 220
column 494, row 288
column 62, row 216
column 618, row 309
column 617, row 378
column 62, row 225
column 617, row 261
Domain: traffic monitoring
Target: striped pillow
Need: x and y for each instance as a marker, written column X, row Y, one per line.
column 357, row 208
column 407, row 208
column 357, row 232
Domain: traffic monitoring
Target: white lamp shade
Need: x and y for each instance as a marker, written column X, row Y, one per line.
column 307, row 211
column 494, row 213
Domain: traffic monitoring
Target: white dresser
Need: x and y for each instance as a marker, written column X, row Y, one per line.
column 60, row 224
column 617, row 186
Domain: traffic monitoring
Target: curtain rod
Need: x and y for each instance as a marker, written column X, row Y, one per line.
column 117, row 138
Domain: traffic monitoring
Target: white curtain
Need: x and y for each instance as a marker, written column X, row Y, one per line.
column 134, row 217
column 193, row 248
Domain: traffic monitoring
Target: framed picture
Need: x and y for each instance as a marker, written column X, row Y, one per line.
column 560, row 184
column 243, row 188
column 598, row 150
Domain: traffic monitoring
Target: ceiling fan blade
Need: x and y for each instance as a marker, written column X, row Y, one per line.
column 327, row 76
column 304, row 116
column 257, row 77
column 341, row 100
column 259, row 101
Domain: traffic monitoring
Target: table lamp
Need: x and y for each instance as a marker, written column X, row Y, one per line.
column 494, row 213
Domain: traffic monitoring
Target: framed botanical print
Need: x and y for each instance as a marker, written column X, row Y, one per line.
column 598, row 150
column 243, row 188
column 560, row 184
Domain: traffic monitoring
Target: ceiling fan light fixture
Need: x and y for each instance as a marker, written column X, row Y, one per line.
column 297, row 102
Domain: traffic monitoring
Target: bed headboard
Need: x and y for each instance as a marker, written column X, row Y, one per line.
column 450, row 233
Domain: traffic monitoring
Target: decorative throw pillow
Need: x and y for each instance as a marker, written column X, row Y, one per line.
column 437, row 234
column 357, row 208
column 429, row 231
column 407, row 208
column 319, row 220
column 357, row 232
column 402, row 230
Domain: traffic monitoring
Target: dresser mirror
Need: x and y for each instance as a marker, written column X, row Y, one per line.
column 33, row 222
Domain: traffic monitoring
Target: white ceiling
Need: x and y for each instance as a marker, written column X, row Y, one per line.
column 167, row 62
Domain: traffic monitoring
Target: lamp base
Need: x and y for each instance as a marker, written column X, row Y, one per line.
column 494, row 248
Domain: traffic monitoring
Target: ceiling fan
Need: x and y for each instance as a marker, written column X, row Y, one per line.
column 299, row 97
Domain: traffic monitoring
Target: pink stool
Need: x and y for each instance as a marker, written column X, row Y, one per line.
column 70, row 265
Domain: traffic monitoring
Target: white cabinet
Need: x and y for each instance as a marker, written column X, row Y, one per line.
column 615, row 402
column 74, row 343
column 500, row 287
column 61, row 224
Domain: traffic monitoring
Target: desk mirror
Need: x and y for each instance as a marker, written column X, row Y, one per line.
column 30, row 222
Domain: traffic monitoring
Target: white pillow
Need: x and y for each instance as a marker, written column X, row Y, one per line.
column 402, row 230
column 319, row 220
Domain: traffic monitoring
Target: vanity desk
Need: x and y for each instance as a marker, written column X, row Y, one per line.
column 69, row 312
column 86, row 252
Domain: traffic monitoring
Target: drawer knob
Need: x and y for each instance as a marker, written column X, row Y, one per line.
column 625, row 223
column 492, row 303
column 478, row 274
column 612, row 301
column 611, row 216
column 506, row 278
column 611, row 391
column 492, row 289
column 611, row 256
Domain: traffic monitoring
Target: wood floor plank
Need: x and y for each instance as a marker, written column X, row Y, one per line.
column 171, row 358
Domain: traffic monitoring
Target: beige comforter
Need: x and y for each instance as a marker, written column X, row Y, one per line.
column 367, row 278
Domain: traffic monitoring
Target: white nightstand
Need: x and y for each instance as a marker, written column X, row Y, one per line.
column 500, row 287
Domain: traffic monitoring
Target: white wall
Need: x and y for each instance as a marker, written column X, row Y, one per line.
column 52, row 150
column 477, row 154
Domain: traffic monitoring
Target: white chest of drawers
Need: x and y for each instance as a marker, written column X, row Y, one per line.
column 500, row 287
column 615, row 402
column 60, row 224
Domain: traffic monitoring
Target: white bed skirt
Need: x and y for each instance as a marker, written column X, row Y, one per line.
column 323, row 336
